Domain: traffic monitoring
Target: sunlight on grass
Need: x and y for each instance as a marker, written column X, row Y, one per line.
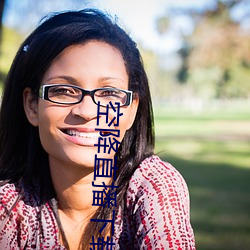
column 201, row 128
column 232, row 153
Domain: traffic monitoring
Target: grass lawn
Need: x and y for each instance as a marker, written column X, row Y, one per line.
column 212, row 151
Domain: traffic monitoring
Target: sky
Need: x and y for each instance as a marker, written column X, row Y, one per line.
column 138, row 17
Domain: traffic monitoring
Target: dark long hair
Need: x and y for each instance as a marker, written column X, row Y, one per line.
column 22, row 157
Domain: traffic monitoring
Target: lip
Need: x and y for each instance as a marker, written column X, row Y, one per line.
column 78, row 129
column 81, row 136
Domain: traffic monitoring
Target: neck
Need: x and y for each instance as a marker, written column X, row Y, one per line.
column 73, row 187
column 74, row 190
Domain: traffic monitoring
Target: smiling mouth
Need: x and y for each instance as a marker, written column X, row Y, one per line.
column 75, row 133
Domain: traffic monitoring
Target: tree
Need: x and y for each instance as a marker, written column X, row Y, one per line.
column 27, row 14
column 220, row 44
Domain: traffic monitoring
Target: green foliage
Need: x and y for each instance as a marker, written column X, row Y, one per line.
column 162, row 24
column 160, row 80
column 217, row 53
column 209, row 82
column 220, row 42
column 11, row 41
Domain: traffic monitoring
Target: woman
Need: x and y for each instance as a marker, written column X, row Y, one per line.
column 77, row 101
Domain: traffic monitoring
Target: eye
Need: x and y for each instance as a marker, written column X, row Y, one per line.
column 109, row 93
column 63, row 90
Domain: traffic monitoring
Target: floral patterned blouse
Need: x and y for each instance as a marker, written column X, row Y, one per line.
column 156, row 216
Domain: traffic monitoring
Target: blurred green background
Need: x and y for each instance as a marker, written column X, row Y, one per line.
column 199, row 73
column 211, row 150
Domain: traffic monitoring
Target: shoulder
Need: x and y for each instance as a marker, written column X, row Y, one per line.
column 9, row 193
column 13, row 193
column 153, row 165
column 153, row 174
column 21, row 212
column 15, row 199
column 157, row 204
column 156, row 183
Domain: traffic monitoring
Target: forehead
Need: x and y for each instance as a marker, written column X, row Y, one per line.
column 91, row 50
column 92, row 59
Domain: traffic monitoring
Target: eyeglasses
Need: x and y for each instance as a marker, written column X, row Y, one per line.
column 69, row 94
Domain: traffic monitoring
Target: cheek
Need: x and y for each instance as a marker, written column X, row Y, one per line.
column 124, row 122
column 45, row 133
column 48, row 118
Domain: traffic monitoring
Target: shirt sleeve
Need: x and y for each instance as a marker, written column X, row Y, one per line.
column 9, row 219
column 24, row 224
column 159, row 201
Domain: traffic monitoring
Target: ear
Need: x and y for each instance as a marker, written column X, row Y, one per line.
column 30, row 104
column 133, row 110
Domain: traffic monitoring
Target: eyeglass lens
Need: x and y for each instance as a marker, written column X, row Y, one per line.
column 69, row 95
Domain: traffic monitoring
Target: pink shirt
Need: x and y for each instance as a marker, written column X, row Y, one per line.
column 156, row 214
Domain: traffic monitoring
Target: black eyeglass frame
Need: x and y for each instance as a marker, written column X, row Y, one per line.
column 44, row 94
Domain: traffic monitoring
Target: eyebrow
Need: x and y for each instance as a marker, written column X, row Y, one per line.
column 74, row 81
column 111, row 78
column 67, row 78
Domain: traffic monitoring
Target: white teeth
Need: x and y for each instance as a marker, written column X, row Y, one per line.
column 82, row 134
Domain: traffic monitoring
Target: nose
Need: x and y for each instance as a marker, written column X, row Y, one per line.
column 86, row 109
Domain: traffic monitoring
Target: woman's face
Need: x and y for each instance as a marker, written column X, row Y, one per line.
column 67, row 132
